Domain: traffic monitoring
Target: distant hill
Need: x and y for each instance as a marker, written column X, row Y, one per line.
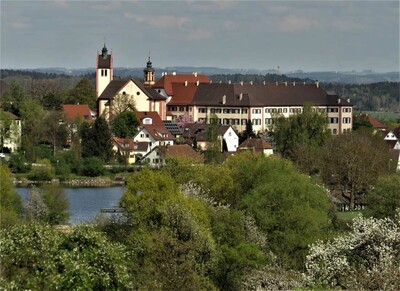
column 364, row 77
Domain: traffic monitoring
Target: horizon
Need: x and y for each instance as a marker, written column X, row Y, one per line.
column 312, row 36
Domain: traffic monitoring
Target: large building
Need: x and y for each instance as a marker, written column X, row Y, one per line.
column 193, row 98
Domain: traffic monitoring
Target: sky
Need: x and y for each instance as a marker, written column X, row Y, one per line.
column 294, row 35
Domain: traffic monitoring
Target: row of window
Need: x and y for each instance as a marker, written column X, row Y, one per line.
column 180, row 108
column 267, row 110
column 104, row 73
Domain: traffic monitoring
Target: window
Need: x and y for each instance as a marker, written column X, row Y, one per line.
column 284, row 110
column 181, row 108
column 244, row 121
column 334, row 131
column 256, row 121
column 346, row 120
column 346, row 109
column 333, row 120
column 335, row 109
column 105, row 73
column 256, row 111
column 202, row 110
column 138, row 93
column 244, row 110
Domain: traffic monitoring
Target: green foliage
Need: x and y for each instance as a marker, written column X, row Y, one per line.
column 125, row 125
column 214, row 144
column 10, row 201
column 13, row 98
column 361, row 123
column 96, row 140
column 57, row 204
column 83, row 93
column 308, row 129
column 43, row 170
column 37, row 257
column 92, row 167
column 18, row 163
column 384, row 199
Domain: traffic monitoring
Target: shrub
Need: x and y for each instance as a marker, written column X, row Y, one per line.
column 42, row 171
column 92, row 167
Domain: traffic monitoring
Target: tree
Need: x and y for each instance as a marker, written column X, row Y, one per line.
column 96, row 140
column 214, row 144
column 121, row 103
column 125, row 125
column 13, row 98
column 83, row 93
column 309, row 129
column 352, row 163
column 367, row 258
column 37, row 256
column 384, row 199
column 248, row 132
column 10, row 201
column 43, row 171
column 57, row 204
column 92, row 167
column 55, row 132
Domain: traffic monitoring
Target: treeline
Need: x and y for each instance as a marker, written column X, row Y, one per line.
column 257, row 78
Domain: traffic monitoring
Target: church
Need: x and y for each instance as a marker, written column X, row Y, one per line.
column 114, row 94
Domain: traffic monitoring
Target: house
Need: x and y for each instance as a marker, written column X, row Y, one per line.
column 377, row 125
column 130, row 151
column 159, row 155
column 10, row 131
column 196, row 134
column 74, row 112
column 256, row 145
column 393, row 134
column 394, row 161
column 152, row 130
column 235, row 104
column 114, row 94
column 173, row 128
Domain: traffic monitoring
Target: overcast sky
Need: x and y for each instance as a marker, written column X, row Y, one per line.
column 307, row 35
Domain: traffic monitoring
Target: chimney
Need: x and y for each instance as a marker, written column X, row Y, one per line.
column 317, row 83
column 348, row 100
column 276, row 83
column 304, row 83
column 162, row 74
column 210, row 81
column 229, row 82
column 186, row 83
column 220, row 81
column 264, row 83
column 294, row 84
column 174, row 73
column 224, row 99
column 240, row 96
column 251, row 82
column 195, row 74
column 197, row 83
column 241, row 83
column 338, row 101
column 285, row 83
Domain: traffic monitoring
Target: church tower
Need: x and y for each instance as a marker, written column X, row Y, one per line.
column 149, row 74
column 104, row 70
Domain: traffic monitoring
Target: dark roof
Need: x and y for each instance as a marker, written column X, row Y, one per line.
column 391, row 143
column 104, row 62
column 10, row 116
column 141, row 146
column 115, row 86
column 237, row 95
column 256, row 144
column 181, row 151
column 172, row 127
column 198, row 130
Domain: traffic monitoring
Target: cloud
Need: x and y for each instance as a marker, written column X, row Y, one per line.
column 346, row 25
column 213, row 5
column 18, row 24
column 197, row 34
column 293, row 23
column 160, row 21
column 229, row 25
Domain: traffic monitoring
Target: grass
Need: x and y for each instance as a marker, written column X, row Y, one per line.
column 348, row 215
column 389, row 116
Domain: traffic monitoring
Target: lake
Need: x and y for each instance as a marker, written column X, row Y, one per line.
column 85, row 203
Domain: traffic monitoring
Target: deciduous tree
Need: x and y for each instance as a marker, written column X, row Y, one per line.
column 125, row 125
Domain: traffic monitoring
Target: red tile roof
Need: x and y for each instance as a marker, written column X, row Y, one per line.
column 155, row 117
column 255, row 144
column 183, row 94
column 73, row 112
column 375, row 123
column 166, row 81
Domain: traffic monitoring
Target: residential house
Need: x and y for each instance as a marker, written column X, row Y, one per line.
column 152, row 130
column 159, row 155
column 130, row 151
column 74, row 114
column 392, row 139
column 10, row 131
column 256, row 145
column 196, row 134
column 377, row 125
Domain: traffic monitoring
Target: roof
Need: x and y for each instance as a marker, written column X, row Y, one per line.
column 166, row 81
column 181, row 151
column 155, row 117
column 256, row 144
column 198, row 130
column 237, row 95
column 116, row 86
column 140, row 146
column 374, row 122
column 183, row 93
column 73, row 111
column 10, row 115
column 172, row 127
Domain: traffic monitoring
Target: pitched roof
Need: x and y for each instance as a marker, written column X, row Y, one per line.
column 256, row 144
column 140, row 146
column 237, row 95
column 183, row 93
column 181, row 151
column 116, row 86
column 10, row 116
column 198, row 130
column 155, row 117
column 172, row 127
column 166, row 81
column 374, row 122
column 73, row 111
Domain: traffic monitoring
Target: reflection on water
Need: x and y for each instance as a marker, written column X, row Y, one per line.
column 85, row 203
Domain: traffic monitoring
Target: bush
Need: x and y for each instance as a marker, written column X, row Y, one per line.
column 19, row 164
column 42, row 171
column 92, row 167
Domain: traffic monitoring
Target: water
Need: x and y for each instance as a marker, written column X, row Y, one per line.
column 85, row 203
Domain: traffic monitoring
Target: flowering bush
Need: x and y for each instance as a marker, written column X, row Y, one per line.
column 366, row 258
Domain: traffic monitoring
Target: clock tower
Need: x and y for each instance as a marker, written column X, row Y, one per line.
column 104, row 70
column 149, row 74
